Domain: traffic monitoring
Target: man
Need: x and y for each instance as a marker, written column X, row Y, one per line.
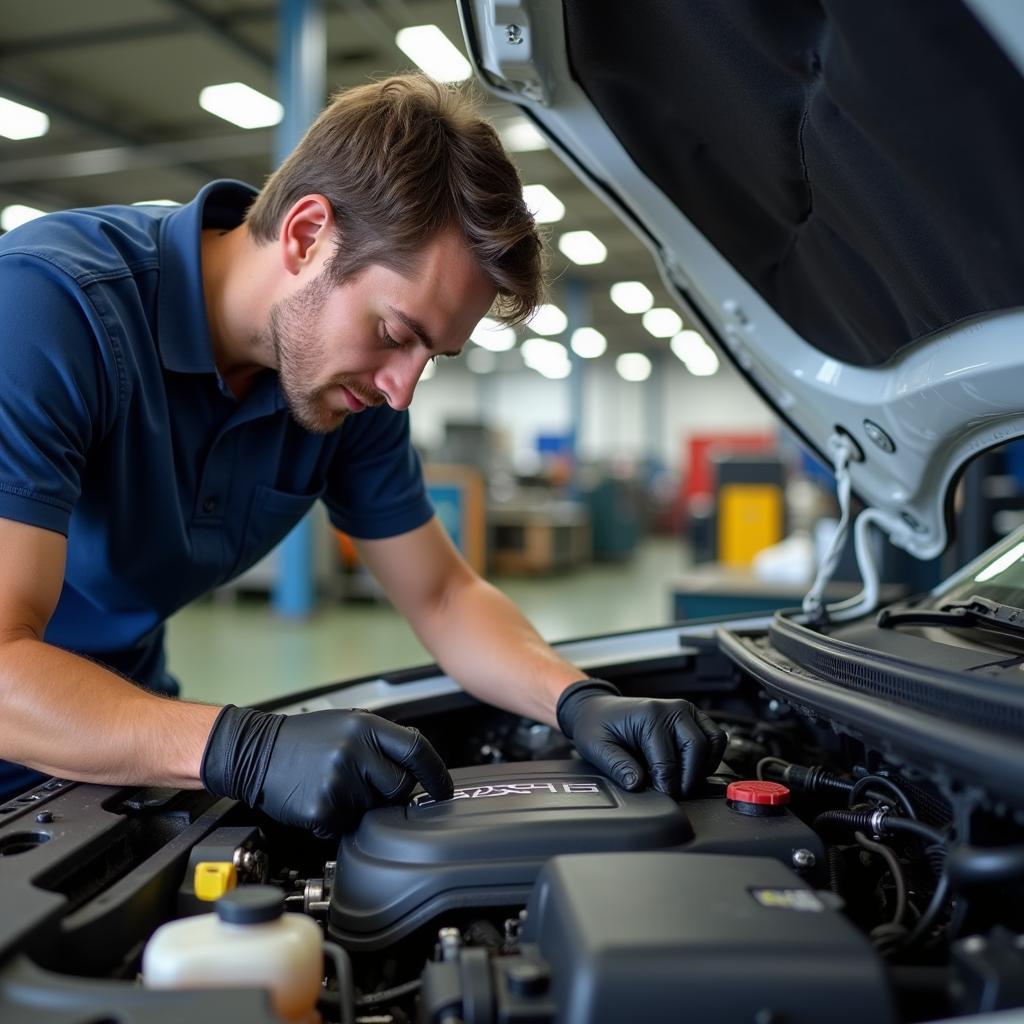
column 177, row 387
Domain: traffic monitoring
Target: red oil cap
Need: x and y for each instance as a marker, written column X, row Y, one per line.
column 761, row 794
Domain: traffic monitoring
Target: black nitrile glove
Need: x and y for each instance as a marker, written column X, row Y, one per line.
column 320, row 771
column 631, row 739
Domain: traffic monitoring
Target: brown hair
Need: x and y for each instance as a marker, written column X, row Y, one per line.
column 400, row 161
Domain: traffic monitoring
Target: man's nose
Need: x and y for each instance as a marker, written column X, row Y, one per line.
column 398, row 379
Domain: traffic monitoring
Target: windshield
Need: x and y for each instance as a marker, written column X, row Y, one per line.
column 997, row 576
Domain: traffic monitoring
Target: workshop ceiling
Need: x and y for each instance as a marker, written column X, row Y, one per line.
column 120, row 81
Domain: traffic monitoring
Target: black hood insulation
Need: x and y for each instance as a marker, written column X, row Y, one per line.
column 858, row 163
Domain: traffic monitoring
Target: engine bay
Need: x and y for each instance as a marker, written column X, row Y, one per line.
column 817, row 874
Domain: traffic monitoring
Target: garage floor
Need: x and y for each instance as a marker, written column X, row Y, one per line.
column 237, row 651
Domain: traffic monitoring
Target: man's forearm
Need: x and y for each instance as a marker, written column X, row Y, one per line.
column 70, row 717
column 486, row 644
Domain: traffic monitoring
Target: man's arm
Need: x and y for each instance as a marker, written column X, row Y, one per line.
column 476, row 633
column 70, row 717
column 482, row 641
column 65, row 715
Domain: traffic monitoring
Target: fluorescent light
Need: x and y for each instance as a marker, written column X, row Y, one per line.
column 1001, row 564
column 20, row 122
column 686, row 343
column 697, row 355
column 555, row 371
column 588, row 343
column 633, row 366
column 663, row 322
column 14, row 216
column 548, row 320
column 582, row 247
column 545, row 206
column 632, row 296
column 429, row 48
column 520, row 136
column 494, row 336
column 428, row 371
column 548, row 358
column 241, row 105
column 703, row 364
column 479, row 360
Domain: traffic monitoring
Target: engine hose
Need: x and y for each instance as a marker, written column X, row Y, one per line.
column 814, row 779
column 881, row 782
column 864, row 820
column 388, row 994
column 895, row 870
column 343, row 973
column 931, row 835
column 975, row 866
column 879, row 821
column 935, row 852
column 936, row 903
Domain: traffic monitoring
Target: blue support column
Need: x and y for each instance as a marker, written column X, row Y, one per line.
column 302, row 76
column 655, row 395
column 577, row 312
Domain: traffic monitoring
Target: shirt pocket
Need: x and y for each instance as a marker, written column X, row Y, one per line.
column 272, row 515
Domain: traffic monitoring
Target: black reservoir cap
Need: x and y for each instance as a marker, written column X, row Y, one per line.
column 251, row 904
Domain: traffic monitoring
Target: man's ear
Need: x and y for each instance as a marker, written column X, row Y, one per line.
column 307, row 233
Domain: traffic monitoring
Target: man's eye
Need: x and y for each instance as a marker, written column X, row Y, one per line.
column 388, row 340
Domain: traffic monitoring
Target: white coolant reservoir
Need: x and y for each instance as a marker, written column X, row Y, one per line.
column 249, row 942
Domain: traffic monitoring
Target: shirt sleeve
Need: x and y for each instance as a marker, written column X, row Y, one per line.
column 375, row 486
column 57, row 390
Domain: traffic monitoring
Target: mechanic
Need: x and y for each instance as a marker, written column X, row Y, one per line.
column 180, row 384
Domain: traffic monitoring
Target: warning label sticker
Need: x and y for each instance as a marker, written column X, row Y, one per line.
column 788, row 899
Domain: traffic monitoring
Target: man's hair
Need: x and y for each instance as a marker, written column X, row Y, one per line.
column 401, row 160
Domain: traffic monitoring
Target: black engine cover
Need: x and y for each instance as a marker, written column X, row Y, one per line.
column 484, row 848
column 702, row 938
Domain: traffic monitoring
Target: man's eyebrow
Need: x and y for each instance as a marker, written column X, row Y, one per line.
column 417, row 328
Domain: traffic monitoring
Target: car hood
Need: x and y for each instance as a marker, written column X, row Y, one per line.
column 832, row 193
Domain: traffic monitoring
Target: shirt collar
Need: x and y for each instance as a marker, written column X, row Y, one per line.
column 183, row 334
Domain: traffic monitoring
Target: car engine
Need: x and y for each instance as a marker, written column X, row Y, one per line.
column 812, row 877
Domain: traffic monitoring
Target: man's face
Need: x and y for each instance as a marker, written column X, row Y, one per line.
column 341, row 348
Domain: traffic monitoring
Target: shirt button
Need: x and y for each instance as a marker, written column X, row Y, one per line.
column 209, row 505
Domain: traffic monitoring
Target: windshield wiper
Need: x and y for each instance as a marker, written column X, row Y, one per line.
column 976, row 613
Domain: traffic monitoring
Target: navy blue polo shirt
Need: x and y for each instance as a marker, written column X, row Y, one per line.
column 117, row 431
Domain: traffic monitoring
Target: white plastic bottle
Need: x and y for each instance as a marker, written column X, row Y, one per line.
column 249, row 942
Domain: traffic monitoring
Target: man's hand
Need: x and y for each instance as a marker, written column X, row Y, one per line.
column 320, row 771
column 631, row 738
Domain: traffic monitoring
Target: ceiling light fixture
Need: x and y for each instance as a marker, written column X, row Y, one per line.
column 582, row 247
column 493, row 336
column 545, row 206
column 549, row 320
column 588, row 343
column 695, row 353
column 548, row 358
column 632, row 296
column 14, row 216
column 663, row 322
column 20, row 122
column 432, row 51
column 633, row 366
column 241, row 105
column 520, row 136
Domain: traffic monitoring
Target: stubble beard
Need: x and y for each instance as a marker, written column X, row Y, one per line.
column 299, row 352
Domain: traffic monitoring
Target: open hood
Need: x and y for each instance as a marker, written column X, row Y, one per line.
column 832, row 192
